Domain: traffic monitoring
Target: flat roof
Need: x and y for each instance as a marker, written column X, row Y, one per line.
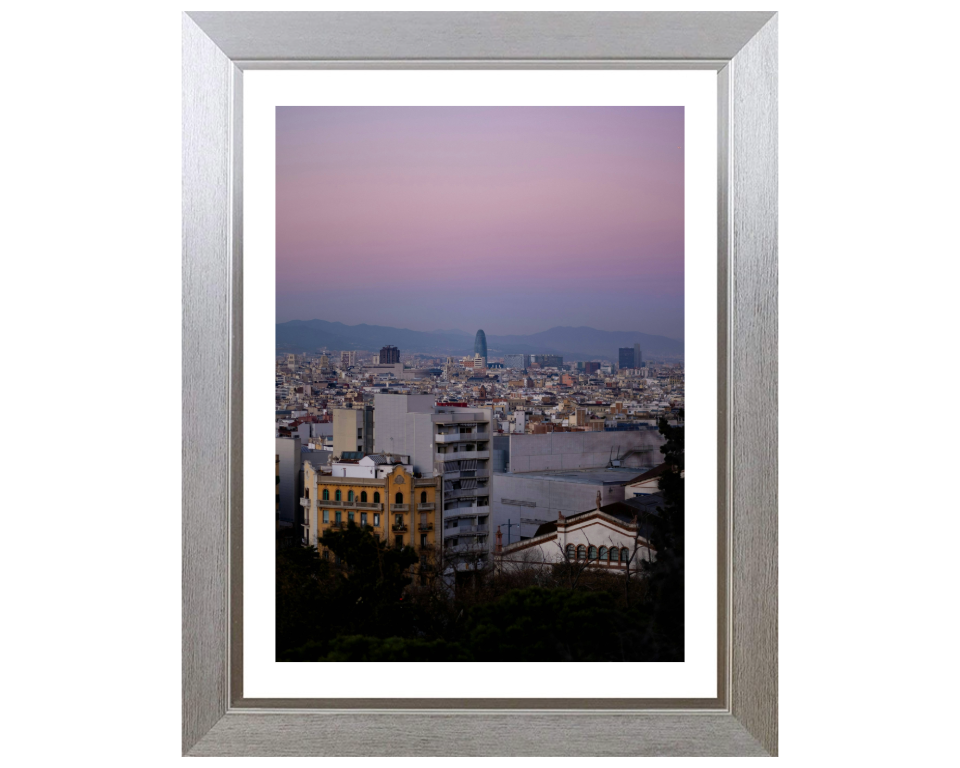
column 596, row 476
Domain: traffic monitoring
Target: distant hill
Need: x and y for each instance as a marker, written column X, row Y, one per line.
column 581, row 343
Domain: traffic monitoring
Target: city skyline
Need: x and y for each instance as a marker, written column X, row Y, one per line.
column 557, row 216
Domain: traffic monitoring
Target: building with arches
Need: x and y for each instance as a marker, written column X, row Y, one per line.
column 614, row 537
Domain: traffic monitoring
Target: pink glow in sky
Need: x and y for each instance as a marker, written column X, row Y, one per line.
column 511, row 219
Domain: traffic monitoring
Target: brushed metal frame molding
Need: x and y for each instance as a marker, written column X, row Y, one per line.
column 217, row 47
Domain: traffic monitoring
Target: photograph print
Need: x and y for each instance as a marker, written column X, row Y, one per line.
column 479, row 384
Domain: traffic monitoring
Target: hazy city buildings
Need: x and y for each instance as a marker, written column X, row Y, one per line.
column 505, row 445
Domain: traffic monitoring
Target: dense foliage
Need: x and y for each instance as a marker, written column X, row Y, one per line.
column 364, row 607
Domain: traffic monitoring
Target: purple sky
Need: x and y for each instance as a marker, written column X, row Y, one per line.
column 510, row 219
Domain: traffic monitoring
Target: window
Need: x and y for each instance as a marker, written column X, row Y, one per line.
column 326, row 515
column 359, row 434
column 423, row 497
column 349, row 517
column 376, row 520
column 581, row 552
column 306, row 493
column 337, row 518
column 593, row 553
column 399, row 498
column 571, row 552
column 399, row 521
column 326, row 554
column 326, row 495
column 423, row 539
column 624, row 555
column 603, row 554
column 349, row 495
column 339, row 496
column 399, row 541
column 363, row 518
column 363, row 497
column 376, row 497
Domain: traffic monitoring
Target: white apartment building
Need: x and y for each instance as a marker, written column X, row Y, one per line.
column 452, row 443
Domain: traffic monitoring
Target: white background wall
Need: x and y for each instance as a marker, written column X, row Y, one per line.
column 869, row 160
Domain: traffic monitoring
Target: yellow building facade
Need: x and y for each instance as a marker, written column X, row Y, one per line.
column 402, row 510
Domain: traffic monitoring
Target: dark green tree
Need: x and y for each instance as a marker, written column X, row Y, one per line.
column 665, row 573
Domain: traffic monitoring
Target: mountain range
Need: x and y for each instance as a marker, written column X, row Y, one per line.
column 580, row 343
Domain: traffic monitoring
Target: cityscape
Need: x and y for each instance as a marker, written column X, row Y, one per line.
column 496, row 491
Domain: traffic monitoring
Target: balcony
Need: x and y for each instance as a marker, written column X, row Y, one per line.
column 425, row 526
column 466, row 549
column 398, row 528
column 461, row 454
column 422, row 507
column 467, row 493
column 305, row 501
column 399, row 507
column 457, row 437
column 369, row 505
column 465, row 474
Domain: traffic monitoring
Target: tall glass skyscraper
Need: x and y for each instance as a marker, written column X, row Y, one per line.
column 480, row 345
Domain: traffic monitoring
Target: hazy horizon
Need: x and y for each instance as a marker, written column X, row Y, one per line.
column 510, row 219
column 407, row 327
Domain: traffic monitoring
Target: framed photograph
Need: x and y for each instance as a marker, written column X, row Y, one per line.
column 470, row 282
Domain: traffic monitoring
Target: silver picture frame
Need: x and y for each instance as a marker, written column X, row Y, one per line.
column 741, row 47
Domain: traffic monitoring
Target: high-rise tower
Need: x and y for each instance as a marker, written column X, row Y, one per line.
column 480, row 345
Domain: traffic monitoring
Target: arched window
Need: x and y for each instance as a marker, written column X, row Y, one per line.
column 326, row 495
column 581, row 552
column 339, row 496
column 624, row 555
column 571, row 552
column 593, row 553
column 363, row 497
column 376, row 497
column 349, row 495
column 603, row 554
column 399, row 498
column 423, row 497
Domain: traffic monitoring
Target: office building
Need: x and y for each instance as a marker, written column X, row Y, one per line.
column 548, row 361
column 637, row 356
column 626, row 357
column 520, row 362
column 480, row 346
column 389, row 355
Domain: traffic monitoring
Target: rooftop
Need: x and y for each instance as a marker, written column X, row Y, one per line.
column 597, row 476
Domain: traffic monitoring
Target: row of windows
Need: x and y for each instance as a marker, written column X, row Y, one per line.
column 338, row 517
column 398, row 499
column 604, row 555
